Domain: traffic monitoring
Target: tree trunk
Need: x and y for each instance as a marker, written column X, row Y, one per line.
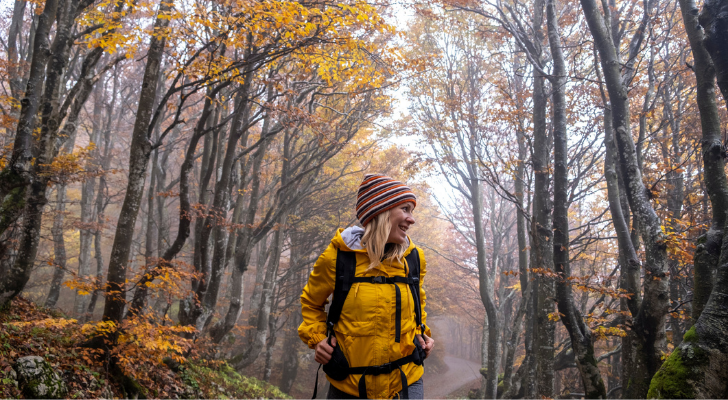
column 271, row 341
column 244, row 246
column 513, row 339
column 16, row 174
column 696, row 368
column 101, row 201
column 676, row 196
column 579, row 332
column 15, row 72
column 649, row 321
column 212, row 232
column 140, row 151
column 714, row 20
column 262, row 333
column 483, row 355
column 484, row 286
column 541, row 231
column 709, row 246
column 87, row 205
column 290, row 356
column 17, row 177
column 59, row 248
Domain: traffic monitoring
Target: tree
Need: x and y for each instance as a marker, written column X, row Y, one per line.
column 648, row 325
column 692, row 368
column 579, row 332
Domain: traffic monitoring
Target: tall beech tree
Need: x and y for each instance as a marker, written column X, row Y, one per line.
column 694, row 369
column 579, row 331
column 649, row 315
column 141, row 148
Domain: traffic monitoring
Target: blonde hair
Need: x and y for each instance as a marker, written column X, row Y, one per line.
column 375, row 238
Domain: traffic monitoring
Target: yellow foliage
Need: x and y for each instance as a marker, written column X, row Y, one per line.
column 67, row 168
column 45, row 323
column 601, row 332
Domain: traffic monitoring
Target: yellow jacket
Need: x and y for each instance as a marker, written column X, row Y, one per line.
column 366, row 327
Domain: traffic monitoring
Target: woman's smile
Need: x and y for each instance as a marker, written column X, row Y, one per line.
column 401, row 219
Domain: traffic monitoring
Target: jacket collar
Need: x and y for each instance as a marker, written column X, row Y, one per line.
column 349, row 239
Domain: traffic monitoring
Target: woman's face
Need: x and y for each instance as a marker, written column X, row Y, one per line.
column 401, row 219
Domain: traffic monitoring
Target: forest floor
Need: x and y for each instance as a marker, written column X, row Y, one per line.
column 460, row 373
column 29, row 330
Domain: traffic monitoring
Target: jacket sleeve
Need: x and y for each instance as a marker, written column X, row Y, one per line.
column 314, row 297
column 423, row 297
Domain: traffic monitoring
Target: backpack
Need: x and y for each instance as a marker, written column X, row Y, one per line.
column 338, row 367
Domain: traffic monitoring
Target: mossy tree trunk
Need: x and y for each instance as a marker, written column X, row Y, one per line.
column 696, row 368
column 643, row 359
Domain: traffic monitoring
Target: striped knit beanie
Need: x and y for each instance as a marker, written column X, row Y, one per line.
column 379, row 193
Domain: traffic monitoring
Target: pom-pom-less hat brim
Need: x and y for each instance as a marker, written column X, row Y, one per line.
column 379, row 193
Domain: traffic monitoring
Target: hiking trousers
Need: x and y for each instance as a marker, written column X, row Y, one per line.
column 416, row 391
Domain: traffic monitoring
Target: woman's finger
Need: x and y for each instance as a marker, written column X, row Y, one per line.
column 322, row 357
column 323, row 351
column 430, row 342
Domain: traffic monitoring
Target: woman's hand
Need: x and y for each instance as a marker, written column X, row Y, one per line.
column 427, row 343
column 323, row 351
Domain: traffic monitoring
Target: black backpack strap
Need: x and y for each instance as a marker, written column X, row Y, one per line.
column 315, row 386
column 345, row 271
column 384, row 369
column 383, row 279
column 413, row 262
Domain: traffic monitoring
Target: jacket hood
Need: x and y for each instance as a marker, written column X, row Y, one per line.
column 349, row 239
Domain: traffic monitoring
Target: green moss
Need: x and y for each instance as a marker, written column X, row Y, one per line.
column 691, row 336
column 225, row 382
column 47, row 385
column 681, row 371
column 670, row 382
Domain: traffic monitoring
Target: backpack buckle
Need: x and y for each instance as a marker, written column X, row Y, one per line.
column 382, row 369
column 377, row 279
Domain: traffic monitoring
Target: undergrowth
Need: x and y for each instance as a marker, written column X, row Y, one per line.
column 29, row 330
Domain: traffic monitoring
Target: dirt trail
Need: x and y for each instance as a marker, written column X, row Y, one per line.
column 459, row 373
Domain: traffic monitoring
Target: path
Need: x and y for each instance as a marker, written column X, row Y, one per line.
column 459, row 373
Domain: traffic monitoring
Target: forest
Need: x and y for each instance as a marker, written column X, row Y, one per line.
column 171, row 170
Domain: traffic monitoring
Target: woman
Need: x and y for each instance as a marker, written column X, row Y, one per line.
column 378, row 335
